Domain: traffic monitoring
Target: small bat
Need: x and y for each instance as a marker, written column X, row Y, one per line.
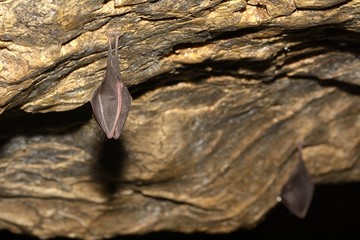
column 297, row 193
column 111, row 100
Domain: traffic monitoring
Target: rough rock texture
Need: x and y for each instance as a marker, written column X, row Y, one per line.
column 223, row 91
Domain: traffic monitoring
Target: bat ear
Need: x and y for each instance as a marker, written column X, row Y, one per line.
column 297, row 193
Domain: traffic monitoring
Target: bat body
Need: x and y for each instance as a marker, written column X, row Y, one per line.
column 111, row 100
column 297, row 193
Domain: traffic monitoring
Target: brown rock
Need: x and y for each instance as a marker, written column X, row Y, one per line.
column 223, row 91
column 317, row 4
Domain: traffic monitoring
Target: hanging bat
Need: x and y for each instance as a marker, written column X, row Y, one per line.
column 297, row 193
column 111, row 100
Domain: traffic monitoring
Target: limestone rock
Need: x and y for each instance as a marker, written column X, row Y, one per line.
column 223, row 91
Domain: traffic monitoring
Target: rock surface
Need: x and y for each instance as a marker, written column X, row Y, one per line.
column 223, row 91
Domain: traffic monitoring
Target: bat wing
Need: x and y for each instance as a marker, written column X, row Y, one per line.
column 297, row 193
column 125, row 107
column 105, row 104
column 111, row 104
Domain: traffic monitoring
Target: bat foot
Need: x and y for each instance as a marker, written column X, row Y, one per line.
column 114, row 34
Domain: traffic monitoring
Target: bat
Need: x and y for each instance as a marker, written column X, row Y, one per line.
column 297, row 193
column 111, row 100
